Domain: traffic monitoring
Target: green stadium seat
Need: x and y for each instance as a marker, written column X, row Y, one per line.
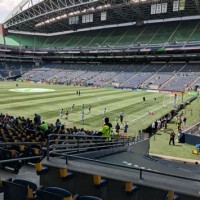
column 27, row 40
column 165, row 32
column 130, row 36
column 196, row 34
column 12, row 40
column 184, row 31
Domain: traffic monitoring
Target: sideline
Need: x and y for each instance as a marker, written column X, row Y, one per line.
column 147, row 113
column 184, row 160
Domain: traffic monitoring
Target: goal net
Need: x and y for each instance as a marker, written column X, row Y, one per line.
column 170, row 100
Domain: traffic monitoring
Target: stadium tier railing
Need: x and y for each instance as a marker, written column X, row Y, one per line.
column 64, row 144
column 142, row 172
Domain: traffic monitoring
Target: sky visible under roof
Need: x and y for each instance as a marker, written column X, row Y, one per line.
column 6, row 6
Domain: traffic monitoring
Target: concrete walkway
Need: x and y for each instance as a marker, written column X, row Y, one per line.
column 190, row 161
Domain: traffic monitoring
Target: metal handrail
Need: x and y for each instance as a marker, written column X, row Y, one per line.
column 127, row 167
column 78, row 143
column 17, row 143
column 20, row 159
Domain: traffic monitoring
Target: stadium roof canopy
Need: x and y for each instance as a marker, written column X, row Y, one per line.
column 51, row 16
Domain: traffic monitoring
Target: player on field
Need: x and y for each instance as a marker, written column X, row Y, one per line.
column 82, row 118
column 67, row 115
column 104, row 113
column 121, row 116
column 89, row 109
column 116, row 120
column 82, row 107
column 61, row 113
column 72, row 108
column 144, row 99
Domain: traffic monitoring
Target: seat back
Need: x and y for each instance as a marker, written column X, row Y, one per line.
column 53, row 193
column 18, row 189
column 89, row 198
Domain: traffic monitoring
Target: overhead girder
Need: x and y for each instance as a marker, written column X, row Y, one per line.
column 45, row 8
column 121, row 11
column 23, row 5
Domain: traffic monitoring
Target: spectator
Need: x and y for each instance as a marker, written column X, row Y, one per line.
column 153, row 128
column 44, row 126
column 117, row 127
column 37, row 119
column 48, row 132
column 180, row 136
column 172, row 137
column 126, row 128
column 158, row 124
column 106, row 128
column 58, row 123
column 184, row 120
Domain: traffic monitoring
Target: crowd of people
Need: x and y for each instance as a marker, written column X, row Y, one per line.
column 162, row 123
column 36, row 128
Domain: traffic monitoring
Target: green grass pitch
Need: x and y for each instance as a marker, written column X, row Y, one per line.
column 48, row 104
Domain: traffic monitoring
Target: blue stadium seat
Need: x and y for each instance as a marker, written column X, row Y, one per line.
column 89, row 198
column 18, row 189
column 25, row 183
column 6, row 154
column 53, row 193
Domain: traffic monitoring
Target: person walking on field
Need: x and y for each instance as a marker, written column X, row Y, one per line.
column 61, row 113
column 121, row 116
column 73, row 106
column 172, row 137
column 104, row 113
column 82, row 118
column 89, row 109
column 67, row 115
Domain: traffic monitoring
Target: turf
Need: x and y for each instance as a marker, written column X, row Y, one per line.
column 49, row 104
column 159, row 143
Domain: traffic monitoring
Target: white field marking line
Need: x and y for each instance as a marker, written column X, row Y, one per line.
column 147, row 113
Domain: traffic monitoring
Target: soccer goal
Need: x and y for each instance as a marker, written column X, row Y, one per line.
column 170, row 99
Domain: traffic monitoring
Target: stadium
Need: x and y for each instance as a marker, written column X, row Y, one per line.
column 100, row 100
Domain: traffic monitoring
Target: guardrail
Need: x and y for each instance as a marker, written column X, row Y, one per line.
column 62, row 144
column 20, row 159
column 141, row 171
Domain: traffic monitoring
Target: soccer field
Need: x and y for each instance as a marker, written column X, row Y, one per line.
column 31, row 99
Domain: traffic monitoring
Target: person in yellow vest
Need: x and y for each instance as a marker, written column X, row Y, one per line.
column 106, row 129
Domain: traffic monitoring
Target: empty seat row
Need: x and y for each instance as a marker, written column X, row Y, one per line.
column 28, row 190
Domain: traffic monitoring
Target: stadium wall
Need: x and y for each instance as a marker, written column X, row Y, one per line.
column 192, row 135
column 80, row 179
column 3, row 32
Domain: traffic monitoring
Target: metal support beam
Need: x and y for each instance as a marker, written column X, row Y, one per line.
column 50, row 7
column 198, row 5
